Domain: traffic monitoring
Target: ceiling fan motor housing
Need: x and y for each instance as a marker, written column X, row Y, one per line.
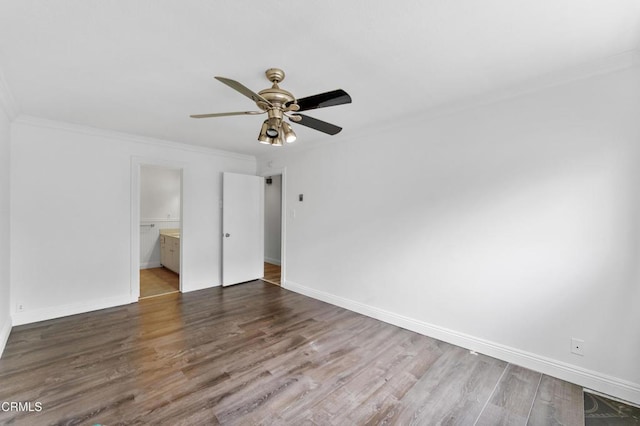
column 277, row 96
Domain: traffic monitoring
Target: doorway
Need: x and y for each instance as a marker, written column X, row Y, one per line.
column 273, row 229
column 160, row 230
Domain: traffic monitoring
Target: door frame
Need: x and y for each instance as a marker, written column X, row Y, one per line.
column 136, row 164
column 283, row 219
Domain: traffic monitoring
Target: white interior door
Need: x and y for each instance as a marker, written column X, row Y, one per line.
column 242, row 228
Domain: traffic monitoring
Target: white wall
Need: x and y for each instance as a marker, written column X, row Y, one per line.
column 71, row 210
column 507, row 228
column 5, row 236
column 272, row 220
column 159, row 209
column 159, row 193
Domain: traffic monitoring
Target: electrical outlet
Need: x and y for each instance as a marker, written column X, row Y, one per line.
column 20, row 308
column 577, row 346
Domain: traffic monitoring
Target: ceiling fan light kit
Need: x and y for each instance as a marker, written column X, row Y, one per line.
column 288, row 133
column 279, row 104
column 262, row 137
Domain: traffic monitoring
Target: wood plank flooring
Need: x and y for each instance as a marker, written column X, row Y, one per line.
column 272, row 273
column 158, row 281
column 255, row 353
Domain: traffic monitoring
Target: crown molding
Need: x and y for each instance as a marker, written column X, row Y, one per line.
column 7, row 101
column 29, row 120
column 603, row 66
column 607, row 65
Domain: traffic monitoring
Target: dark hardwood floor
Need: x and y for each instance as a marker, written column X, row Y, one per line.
column 258, row 354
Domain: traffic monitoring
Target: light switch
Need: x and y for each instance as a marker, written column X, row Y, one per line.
column 301, row 197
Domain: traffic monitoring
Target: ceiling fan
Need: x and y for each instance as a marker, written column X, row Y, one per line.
column 277, row 103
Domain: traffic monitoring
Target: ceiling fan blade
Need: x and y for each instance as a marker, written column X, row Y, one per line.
column 243, row 89
column 314, row 123
column 323, row 100
column 225, row 114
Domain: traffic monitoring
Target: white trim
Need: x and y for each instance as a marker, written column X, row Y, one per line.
column 7, row 100
column 272, row 261
column 149, row 265
column 606, row 384
column 536, row 84
column 200, row 286
column 5, row 331
column 94, row 131
column 134, row 272
column 28, row 317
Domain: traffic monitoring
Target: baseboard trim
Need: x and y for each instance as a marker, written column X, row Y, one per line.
column 28, row 317
column 198, row 287
column 5, row 331
column 606, row 384
column 272, row 261
column 149, row 265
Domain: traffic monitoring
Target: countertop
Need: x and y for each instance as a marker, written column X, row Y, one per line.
column 170, row 232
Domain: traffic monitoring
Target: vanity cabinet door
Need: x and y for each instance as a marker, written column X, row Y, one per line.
column 163, row 251
column 170, row 253
column 175, row 255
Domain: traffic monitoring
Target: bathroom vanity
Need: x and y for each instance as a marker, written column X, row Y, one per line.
column 170, row 249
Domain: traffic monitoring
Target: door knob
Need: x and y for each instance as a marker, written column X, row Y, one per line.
column 227, row 235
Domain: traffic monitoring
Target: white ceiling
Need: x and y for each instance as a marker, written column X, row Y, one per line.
column 142, row 66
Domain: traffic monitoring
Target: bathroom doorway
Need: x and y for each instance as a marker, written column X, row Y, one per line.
column 160, row 230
